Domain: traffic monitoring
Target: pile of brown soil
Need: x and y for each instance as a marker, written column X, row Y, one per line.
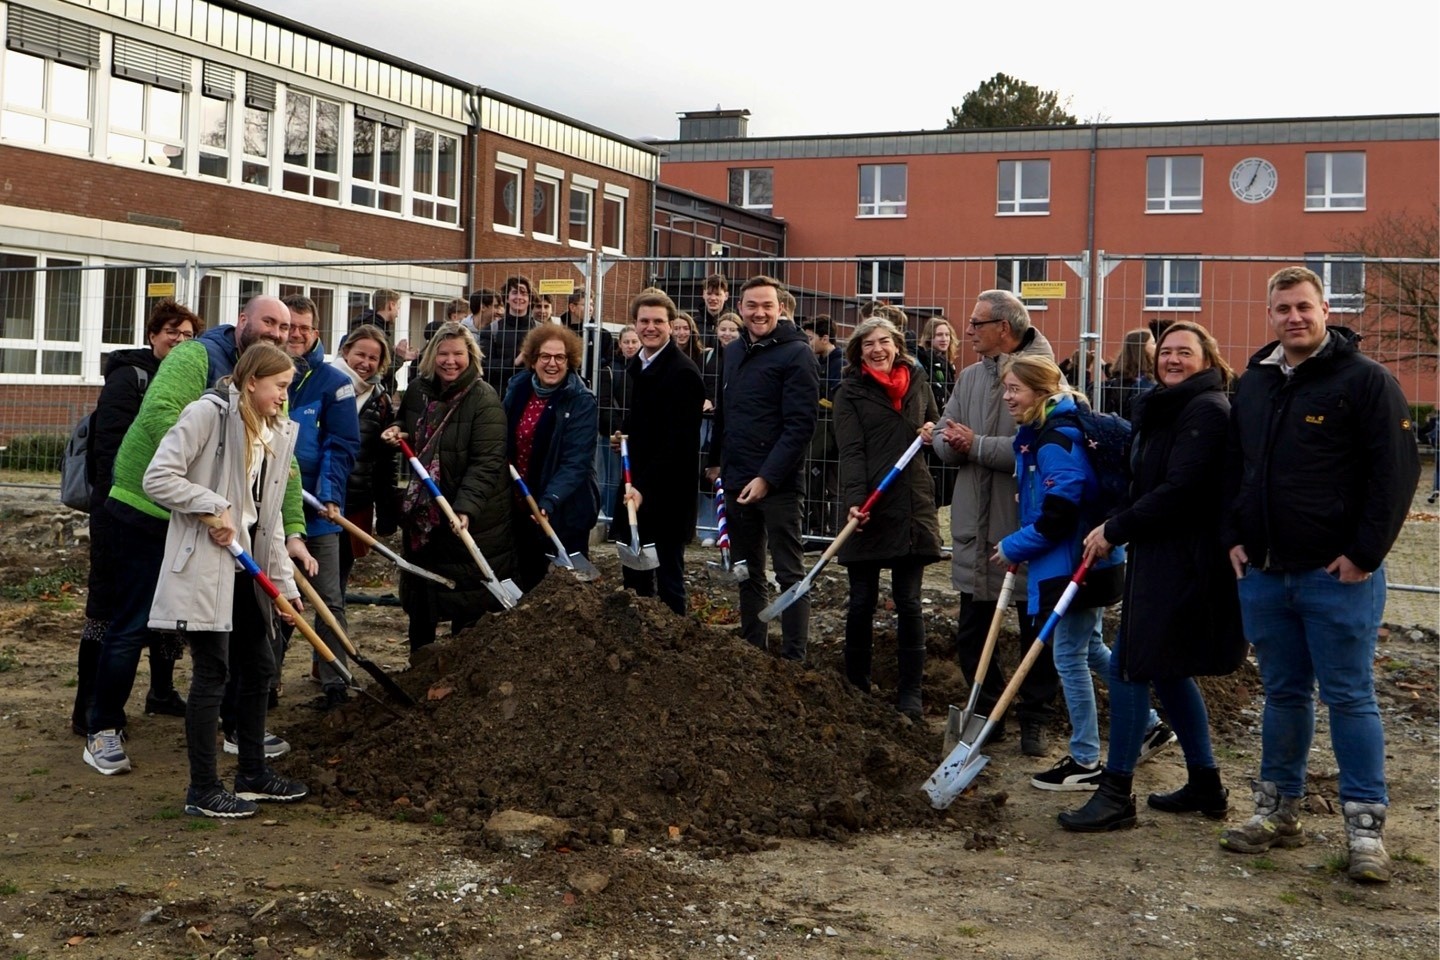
column 589, row 704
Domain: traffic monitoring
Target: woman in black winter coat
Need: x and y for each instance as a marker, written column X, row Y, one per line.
column 455, row 424
column 553, row 420
column 127, row 374
column 884, row 400
column 370, row 501
column 1181, row 615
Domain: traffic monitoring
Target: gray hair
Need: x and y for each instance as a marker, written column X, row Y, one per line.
column 1004, row 305
column 854, row 347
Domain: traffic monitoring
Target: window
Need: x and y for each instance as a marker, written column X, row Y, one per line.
column 1335, row 181
column 882, row 190
column 127, row 303
column 1172, row 285
column 1173, row 184
column 259, row 106
column 147, row 104
column 211, row 305
column 509, row 182
column 375, row 158
column 1024, row 187
column 1344, row 281
column 436, row 188
column 612, row 219
column 47, row 79
column 214, row 137
column 1012, row 272
column 545, row 205
column 39, row 315
column 324, row 319
column 312, row 146
column 880, row 279
column 582, row 211
column 753, row 188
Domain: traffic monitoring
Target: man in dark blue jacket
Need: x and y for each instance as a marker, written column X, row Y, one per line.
column 1322, row 468
column 765, row 412
column 322, row 402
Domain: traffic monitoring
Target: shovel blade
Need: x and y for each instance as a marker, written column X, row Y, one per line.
column 645, row 558
column 782, row 603
column 384, row 679
column 954, row 776
column 505, row 591
column 954, row 724
column 581, row 566
column 719, row 572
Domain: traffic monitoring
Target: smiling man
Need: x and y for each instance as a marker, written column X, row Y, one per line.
column 1321, row 470
column 765, row 413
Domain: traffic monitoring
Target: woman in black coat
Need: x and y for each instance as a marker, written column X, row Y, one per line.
column 552, row 421
column 127, row 374
column 456, row 426
column 884, row 400
column 1181, row 617
column 370, row 489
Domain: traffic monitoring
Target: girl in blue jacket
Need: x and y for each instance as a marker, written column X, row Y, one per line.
column 1057, row 486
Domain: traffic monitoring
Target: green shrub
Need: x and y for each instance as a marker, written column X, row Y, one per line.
column 34, row 451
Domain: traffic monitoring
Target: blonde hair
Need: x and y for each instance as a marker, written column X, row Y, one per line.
column 1042, row 376
column 260, row 360
column 927, row 337
column 449, row 330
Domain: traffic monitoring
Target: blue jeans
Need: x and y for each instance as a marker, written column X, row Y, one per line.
column 1079, row 648
column 128, row 632
column 1129, row 704
column 1308, row 628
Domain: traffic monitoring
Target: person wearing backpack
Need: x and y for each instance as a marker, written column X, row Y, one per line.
column 127, row 375
column 1058, row 496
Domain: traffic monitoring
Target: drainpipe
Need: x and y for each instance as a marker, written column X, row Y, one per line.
column 472, row 214
column 1083, row 373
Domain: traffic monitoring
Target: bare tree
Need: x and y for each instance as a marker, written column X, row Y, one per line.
column 1401, row 254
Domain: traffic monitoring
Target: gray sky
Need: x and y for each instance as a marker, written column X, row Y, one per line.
column 631, row 65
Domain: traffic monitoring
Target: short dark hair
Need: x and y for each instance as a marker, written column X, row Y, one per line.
column 382, row 298
column 822, row 326
column 166, row 312
column 299, row 303
column 576, row 296
column 651, row 297
column 518, row 281
column 763, row 281
column 717, row 281
column 483, row 298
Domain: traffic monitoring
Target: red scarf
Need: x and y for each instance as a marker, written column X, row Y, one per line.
column 896, row 382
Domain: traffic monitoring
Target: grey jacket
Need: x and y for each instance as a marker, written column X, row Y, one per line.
column 983, row 510
column 199, row 470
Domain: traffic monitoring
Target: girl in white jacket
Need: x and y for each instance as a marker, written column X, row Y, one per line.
column 222, row 471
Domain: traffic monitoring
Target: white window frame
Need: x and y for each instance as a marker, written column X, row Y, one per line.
column 1169, row 297
column 747, row 175
column 145, row 132
column 586, row 187
column 308, row 170
column 879, row 208
column 1327, row 198
column 620, row 197
column 38, row 341
column 226, row 150
column 1018, row 278
column 1165, row 199
column 1325, row 264
column 379, row 191
column 1014, row 173
column 49, row 116
column 439, row 202
column 872, row 267
column 553, row 178
column 512, row 166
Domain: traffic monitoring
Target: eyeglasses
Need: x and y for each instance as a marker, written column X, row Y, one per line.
column 974, row 324
column 551, row 359
column 175, row 333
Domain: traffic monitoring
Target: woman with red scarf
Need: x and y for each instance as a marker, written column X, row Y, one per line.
column 883, row 401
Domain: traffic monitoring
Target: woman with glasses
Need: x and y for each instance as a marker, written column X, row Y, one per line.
column 127, row 374
column 553, row 420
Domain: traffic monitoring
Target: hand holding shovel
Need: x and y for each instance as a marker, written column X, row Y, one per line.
column 633, row 555
column 576, row 563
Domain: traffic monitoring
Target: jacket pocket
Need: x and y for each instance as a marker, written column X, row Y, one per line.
column 185, row 549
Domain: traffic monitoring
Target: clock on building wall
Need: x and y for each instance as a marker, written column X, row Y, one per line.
column 1253, row 179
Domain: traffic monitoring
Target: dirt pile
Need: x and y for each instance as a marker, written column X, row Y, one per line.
column 588, row 704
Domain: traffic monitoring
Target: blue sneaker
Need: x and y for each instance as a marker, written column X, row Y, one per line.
column 219, row 803
column 105, row 751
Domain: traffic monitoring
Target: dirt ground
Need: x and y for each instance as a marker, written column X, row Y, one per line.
column 705, row 800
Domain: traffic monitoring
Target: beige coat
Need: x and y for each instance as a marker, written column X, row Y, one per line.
column 199, row 470
column 983, row 510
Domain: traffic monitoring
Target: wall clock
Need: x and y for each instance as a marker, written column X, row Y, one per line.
column 1253, row 179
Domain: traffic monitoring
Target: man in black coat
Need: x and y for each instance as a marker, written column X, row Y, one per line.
column 765, row 412
column 663, row 430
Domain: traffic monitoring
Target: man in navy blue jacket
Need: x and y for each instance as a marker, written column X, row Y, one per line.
column 322, row 402
column 765, row 412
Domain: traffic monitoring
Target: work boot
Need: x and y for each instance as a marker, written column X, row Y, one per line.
column 1032, row 738
column 907, row 688
column 1364, row 824
column 1112, row 807
column 1202, row 793
column 1276, row 823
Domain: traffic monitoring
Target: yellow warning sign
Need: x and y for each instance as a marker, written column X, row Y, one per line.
column 159, row 290
column 1042, row 289
column 557, row 286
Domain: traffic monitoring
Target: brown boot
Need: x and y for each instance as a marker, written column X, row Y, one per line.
column 1364, row 825
column 1276, row 823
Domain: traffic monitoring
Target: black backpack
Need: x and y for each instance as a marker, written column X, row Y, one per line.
column 1107, row 447
column 77, row 468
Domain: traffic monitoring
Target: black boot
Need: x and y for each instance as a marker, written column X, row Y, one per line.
column 1201, row 794
column 907, row 690
column 1110, row 807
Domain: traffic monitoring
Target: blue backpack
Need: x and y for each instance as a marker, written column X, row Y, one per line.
column 1107, row 447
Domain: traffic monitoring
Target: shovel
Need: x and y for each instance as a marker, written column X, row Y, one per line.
column 958, row 724
column 577, row 563
column 724, row 571
column 963, row 764
column 799, row 589
column 633, row 555
column 503, row 590
column 371, row 667
column 379, row 547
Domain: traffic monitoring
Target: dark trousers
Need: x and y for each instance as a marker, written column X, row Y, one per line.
column 773, row 522
column 667, row 580
column 1037, row 691
column 128, row 632
column 248, row 654
column 905, row 578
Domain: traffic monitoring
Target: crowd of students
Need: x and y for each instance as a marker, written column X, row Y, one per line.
column 232, row 428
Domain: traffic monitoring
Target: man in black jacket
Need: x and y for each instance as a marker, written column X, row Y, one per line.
column 765, row 412
column 1322, row 467
column 500, row 342
column 663, row 426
